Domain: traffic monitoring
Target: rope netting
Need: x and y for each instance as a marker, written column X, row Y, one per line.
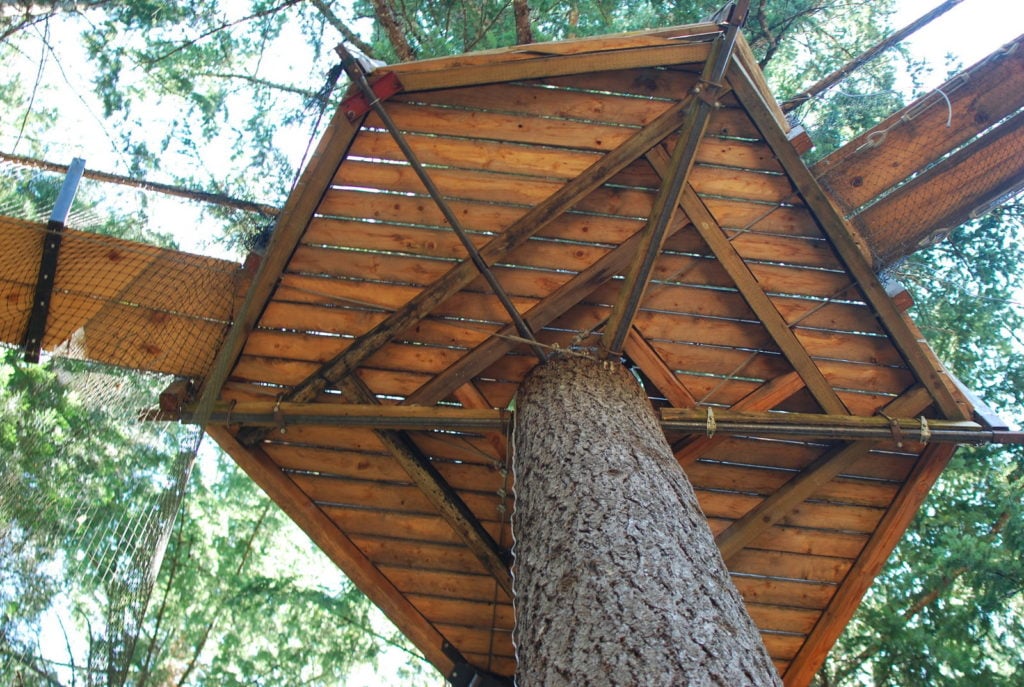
column 88, row 490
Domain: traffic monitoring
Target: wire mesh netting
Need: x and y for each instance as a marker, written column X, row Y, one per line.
column 89, row 490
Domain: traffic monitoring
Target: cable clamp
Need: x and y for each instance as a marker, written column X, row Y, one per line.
column 926, row 432
column 278, row 416
column 894, row 427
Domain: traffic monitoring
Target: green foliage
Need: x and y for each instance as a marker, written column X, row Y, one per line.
column 242, row 598
column 947, row 610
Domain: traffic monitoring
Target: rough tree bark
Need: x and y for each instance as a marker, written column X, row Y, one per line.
column 618, row 580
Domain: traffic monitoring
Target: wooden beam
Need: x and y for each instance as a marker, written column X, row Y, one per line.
column 801, row 487
column 338, row 547
column 674, row 179
column 764, row 397
column 867, row 566
column 651, row 364
column 371, row 415
column 288, row 230
column 849, row 248
column 916, row 136
column 761, row 304
column 515, row 235
column 964, row 185
column 449, row 504
column 532, row 62
column 539, row 316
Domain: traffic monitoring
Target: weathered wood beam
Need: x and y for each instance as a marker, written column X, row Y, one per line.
column 539, row 61
column 551, row 307
column 291, row 224
column 867, row 566
column 765, row 397
column 443, row 497
column 801, row 487
column 515, row 235
column 761, row 304
column 941, row 198
column 338, row 547
column 674, row 177
column 370, row 415
column 642, row 353
column 850, row 249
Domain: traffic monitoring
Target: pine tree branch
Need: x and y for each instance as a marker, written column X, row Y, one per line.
column 389, row 20
column 217, row 29
column 524, row 31
column 191, row 194
column 208, row 630
column 349, row 35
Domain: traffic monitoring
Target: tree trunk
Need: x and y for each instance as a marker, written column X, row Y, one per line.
column 617, row 577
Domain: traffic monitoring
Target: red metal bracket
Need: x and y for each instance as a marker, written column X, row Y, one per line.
column 356, row 105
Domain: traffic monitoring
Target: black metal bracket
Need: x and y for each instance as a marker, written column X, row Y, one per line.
column 36, row 329
column 466, row 675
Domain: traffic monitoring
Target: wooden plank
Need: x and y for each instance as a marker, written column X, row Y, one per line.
column 794, row 566
column 551, row 102
column 921, row 133
column 482, row 641
column 446, row 585
column 782, row 646
column 948, row 194
column 878, row 549
column 440, row 494
column 338, row 547
column 805, row 484
column 805, row 540
column 653, row 366
column 783, row 619
column 399, row 525
column 488, row 187
column 810, row 595
column 458, row 277
column 290, row 225
column 378, row 467
column 849, row 247
column 534, row 66
column 493, row 126
column 466, row 613
column 808, row 514
column 537, row 317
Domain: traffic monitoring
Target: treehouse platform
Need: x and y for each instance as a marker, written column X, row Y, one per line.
column 640, row 197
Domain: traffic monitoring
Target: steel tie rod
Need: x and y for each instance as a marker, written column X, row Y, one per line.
column 355, row 73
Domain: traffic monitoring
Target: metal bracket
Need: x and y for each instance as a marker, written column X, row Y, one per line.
column 36, row 329
column 466, row 675
column 357, row 104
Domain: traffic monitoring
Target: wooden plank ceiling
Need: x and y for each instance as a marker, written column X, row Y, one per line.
column 551, row 157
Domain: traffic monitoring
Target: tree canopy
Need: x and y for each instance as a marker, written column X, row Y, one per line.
column 228, row 98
